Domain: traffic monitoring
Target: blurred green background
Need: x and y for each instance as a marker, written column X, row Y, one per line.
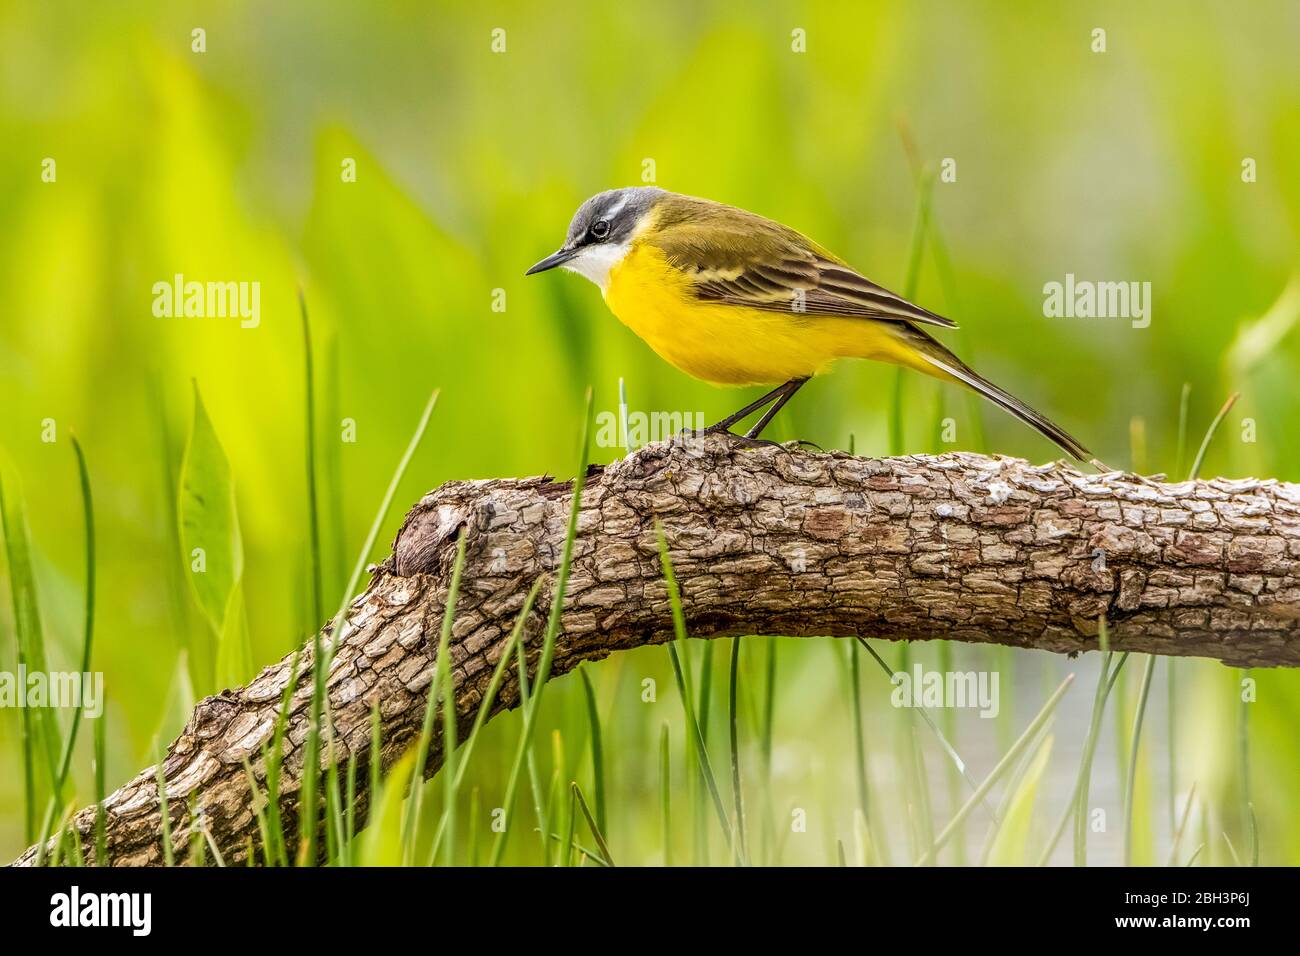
column 227, row 165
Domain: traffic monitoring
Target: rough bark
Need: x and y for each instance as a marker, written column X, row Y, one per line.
column 766, row 541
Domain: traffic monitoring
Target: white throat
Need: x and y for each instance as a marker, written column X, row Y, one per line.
column 595, row 262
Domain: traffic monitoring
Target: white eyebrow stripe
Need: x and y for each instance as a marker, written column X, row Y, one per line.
column 615, row 210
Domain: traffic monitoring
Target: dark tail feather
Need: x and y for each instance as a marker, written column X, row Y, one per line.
column 943, row 360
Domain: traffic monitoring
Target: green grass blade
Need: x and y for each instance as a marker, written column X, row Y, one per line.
column 765, row 747
column 313, row 501
column 1012, row 836
column 705, row 706
column 554, row 793
column 1254, row 835
column 566, row 847
column 449, row 759
column 1148, row 669
column 1181, row 827
column 924, row 195
column 702, row 710
column 530, row 759
column 1171, row 721
column 197, row 850
column 437, row 685
column 861, row 839
column 47, row 827
column 1077, row 806
column 101, row 790
column 1085, row 770
column 73, row 840
column 924, row 714
column 1184, row 405
column 212, row 549
column 376, row 762
column 921, row 788
column 597, row 753
column 596, row 833
column 684, row 687
column 485, row 705
column 323, row 652
column 948, row 284
column 88, row 626
column 498, row 674
column 272, row 758
column 212, row 845
column 333, row 801
column 40, row 735
column 334, row 834
column 169, row 857
column 88, row 622
column 665, row 794
column 573, row 844
column 1007, row 760
column 1209, row 436
column 1232, row 850
column 61, row 840
column 874, row 843
column 1171, row 680
column 1243, row 764
column 1123, row 728
column 307, row 811
column 259, row 814
column 475, row 811
column 1014, row 781
column 552, row 629
column 951, row 774
column 381, row 842
column 234, row 663
column 738, row 793
column 350, row 815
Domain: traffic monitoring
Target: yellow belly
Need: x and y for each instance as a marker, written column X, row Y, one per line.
column 729, row 344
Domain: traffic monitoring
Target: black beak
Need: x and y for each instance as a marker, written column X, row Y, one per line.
column 553, row 260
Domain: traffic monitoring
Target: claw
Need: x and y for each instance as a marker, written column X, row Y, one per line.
column 744, row 441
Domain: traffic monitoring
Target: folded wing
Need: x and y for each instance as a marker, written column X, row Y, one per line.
column 738, row 258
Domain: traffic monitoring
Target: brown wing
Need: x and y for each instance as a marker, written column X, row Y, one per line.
column 738, row 258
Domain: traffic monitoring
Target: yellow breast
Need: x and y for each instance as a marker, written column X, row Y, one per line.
column 725, row 344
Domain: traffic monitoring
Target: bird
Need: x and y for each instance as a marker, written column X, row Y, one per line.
column 735, row 299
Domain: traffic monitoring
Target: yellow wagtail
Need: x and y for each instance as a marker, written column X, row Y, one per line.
column 735, row 299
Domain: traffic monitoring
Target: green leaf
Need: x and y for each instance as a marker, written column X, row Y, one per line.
column 213, row 553
column 1013, row 834
column 381, row 844
column 234, row 647
column 40, row 731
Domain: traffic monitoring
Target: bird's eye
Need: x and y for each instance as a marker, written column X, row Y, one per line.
column 600, row 229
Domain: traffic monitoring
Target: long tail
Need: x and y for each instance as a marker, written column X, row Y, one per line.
column 942, row 363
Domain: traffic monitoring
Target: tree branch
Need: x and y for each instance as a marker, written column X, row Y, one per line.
column 768, row 541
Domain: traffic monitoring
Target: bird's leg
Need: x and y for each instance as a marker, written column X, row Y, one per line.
column 748, row 410
column 787, row 392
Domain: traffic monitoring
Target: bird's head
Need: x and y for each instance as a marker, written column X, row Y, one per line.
column 601, row 232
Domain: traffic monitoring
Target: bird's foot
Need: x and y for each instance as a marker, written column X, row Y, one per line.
column 747, row 440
